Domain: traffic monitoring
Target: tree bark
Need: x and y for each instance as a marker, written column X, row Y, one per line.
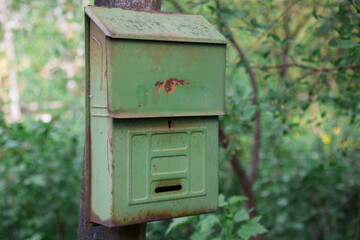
column 137, row 5
column 14, row 96
column 358, row 220
column 241, row 174
column 133, row 232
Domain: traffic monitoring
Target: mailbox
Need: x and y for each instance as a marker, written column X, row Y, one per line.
column 155, row 86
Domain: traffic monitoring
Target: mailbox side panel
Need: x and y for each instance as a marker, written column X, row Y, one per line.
column 164, row 168
column 161, row 79
column 100, row 165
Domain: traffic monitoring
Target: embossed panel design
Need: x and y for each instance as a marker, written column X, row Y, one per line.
column 167, row 164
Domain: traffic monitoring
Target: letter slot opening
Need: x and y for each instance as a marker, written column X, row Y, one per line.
column 168, row 188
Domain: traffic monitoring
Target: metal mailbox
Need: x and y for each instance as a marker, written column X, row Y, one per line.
column 155, row 86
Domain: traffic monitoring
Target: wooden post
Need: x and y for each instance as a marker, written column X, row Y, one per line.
column 97, row 232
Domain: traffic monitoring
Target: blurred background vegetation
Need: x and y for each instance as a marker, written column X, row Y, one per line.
column 289, row 142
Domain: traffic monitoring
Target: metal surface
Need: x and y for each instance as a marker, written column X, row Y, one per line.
column 88, row 231
column 125, row 24
column 137, row 5
column 193, row 74
column 134, row 160
column 143, row 163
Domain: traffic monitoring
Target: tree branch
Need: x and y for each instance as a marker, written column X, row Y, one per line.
column 250, row 72
column 240, row 173
column 177, row 6
column 286, row 49
column 320, row 69
column 356, row 7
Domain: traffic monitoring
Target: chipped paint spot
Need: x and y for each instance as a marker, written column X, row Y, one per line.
column 170, row 85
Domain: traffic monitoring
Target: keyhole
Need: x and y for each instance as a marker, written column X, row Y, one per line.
column 169, row 123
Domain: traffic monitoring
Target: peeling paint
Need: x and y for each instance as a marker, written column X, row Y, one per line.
column 170, row 85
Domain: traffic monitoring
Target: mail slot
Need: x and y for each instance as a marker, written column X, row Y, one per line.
column 155, row 86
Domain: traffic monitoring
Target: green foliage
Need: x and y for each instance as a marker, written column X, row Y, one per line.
column 305, row 56
column 251, row 228
column 231, row 222
column 40, row 172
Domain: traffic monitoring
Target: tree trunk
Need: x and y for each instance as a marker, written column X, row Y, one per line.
column 14, row 99
column 133, row 232
column 358, row 220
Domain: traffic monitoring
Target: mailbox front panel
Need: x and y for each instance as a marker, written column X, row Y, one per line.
column 160, row 168
column 157, row 79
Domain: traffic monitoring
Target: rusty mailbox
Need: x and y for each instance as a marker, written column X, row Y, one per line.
column 155, row 87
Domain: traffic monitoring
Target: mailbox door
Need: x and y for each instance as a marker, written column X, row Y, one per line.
column 164, row 168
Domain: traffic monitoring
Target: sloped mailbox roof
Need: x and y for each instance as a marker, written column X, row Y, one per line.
column 126, row 24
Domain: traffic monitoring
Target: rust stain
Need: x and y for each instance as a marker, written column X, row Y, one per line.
column 139, row 105
column 170, row 85
column 155, row 168
column 107, row 156
column 148, row 216
column 110, row 141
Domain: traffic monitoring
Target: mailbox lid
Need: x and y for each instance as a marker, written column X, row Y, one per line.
column 160, row 79
column 126, row 24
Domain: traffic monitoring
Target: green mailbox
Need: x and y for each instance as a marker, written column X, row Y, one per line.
column 155, row 86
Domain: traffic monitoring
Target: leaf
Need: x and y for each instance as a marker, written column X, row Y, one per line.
column 11, row 144
column 275, row 37
column 248, row 112
column 346, row 44
column 282, row 202
column 241, row 215
column 209, row 222
column 201, row 235
column 236, row 199
column 176, row 222
column 314, row 13
column 251, row 228
column 324, row 28
column 333, row 42
column 255, row 33
column 212, row 9
column 222, row 201
column 36, row 236
column 254, row 22
column 241, row 14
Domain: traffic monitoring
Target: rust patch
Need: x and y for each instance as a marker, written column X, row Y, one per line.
column 107, row 156
column 110, row 141
column 155, row 168
column 148, row 216
column 139, row 105
column 170, row 85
